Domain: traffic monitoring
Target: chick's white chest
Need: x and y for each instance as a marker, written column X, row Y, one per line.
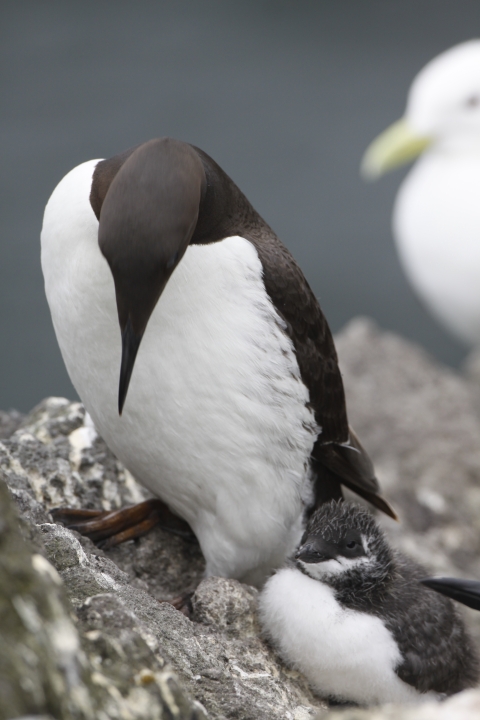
column 216, row 420
column 344, row 653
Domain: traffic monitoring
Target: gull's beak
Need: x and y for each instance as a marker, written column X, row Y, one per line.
column 396, row 146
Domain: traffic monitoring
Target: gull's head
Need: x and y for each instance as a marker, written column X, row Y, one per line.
column 443, row 111
column 342, row 539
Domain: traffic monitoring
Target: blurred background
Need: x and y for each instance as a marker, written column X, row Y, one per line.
column 284, row 95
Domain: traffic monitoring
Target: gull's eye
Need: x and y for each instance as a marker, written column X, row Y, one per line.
column 473, row 101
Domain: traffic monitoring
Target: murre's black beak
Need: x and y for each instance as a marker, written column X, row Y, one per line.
column 130, row 345
column 316, row 551
column 466, row 592
column 147, row 218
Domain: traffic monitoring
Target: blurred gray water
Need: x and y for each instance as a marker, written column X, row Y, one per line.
column 284, row 95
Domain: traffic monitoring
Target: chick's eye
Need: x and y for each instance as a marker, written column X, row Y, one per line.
column 352, row 544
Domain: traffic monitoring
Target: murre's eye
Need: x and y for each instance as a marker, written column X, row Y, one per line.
column 352, row 544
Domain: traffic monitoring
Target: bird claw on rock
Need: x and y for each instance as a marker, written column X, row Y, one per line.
column 110, row 528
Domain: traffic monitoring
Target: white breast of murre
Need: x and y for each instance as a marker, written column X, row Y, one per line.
column 344, row 654
column 436, row 225
column 216, row 420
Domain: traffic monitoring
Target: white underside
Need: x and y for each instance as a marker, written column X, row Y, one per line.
column 344, row 654
column 215, row 422
column 436, row 224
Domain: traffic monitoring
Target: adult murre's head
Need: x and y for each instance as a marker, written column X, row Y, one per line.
column 152, row 202
column 147, row 205
column 343, row 543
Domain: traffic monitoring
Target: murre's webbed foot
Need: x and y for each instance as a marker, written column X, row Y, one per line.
column 110, row 528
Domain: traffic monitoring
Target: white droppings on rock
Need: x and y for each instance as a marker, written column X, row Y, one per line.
column 247, row 675
column 110, row 492
column 137, row 493
column 64, row 639
column 80, row 439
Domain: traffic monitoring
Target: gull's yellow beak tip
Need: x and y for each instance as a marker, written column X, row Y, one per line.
column 396, row 146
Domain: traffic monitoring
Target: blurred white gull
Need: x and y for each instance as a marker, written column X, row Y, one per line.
column 436, row 218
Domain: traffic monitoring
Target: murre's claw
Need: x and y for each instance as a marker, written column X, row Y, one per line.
column 110, row 528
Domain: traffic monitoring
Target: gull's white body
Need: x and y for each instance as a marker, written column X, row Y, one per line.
column 343, row 653
column 436, row 225
column 215, row 422
column 436, row 219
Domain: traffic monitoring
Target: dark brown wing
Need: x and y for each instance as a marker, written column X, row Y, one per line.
column 338, row 456
column 310, row 334
column 225, row 211
column 349, row 464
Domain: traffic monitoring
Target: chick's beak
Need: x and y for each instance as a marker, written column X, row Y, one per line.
column 319, row 551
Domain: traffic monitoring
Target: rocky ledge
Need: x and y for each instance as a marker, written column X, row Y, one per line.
column 86, row 633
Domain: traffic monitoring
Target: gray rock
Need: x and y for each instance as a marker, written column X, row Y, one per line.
column 220, row 657
column 471, row 371
column 471, row 366
column 46, row 666
column 161, row 563
column 68, row 463
column 420, row 423
column 130, row 637
column 9, row 422
column 42, row 667
column 226, row 604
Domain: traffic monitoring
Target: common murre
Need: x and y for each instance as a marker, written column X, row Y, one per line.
column 352, row 616
column 235, row 415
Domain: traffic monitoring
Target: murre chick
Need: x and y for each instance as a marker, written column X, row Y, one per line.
column 352, row 616
column 230, row 405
